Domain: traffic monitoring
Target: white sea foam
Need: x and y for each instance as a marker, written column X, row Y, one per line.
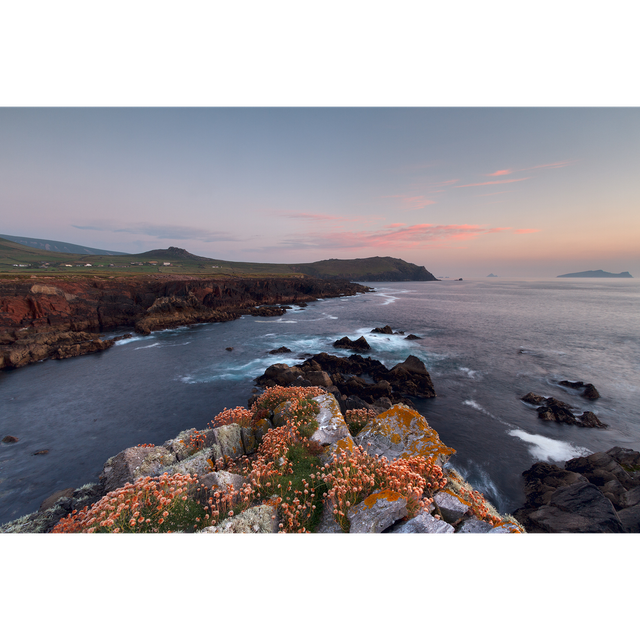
column 149, row 346
column 541, row 448
column 131, row 339
column 470, row 372
column 547, row 449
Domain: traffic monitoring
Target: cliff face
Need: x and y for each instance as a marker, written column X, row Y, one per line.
column 57, row 318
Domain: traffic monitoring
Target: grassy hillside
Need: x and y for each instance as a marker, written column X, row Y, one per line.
column 18, row 259
column 60, row 247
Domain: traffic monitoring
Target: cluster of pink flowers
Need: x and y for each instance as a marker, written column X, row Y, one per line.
column 149, row 505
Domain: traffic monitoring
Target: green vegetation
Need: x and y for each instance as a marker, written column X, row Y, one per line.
column 18, row 259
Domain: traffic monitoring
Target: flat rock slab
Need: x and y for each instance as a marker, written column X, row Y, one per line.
column 451, row 507
column 331, row 425
column 424, row 523
column 260, row 519
column 377, row 512
column 134, row 463
column 474, row 525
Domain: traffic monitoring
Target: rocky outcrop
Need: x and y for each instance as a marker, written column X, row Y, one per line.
column 46, row 317
column 387, row 330
column 588, row 390
column 355, row 345
column 382, row 510
column 550, row 409
column 355, row 381
column 599, row 493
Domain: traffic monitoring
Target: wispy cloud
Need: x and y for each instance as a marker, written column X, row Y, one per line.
column 526, row 231
column 164, row 232
column 395, row 236
column 482, row 184
column 412, row 202
column 501, row 172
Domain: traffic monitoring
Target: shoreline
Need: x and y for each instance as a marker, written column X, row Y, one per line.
column 48, row 318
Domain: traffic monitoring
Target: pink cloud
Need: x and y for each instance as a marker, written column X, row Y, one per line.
column 526, row 231
column 303, row 215
column 413, row 202
column 482, row 184
column 553, row 165
column 501, row 172
column 391, row 237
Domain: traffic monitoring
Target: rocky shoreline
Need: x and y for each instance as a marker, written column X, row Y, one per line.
column 217, row 464
column 45, row 317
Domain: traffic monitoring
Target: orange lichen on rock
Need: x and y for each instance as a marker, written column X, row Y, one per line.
column 386, row 494
column 402, row 432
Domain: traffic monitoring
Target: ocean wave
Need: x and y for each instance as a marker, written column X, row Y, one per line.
column 470, row 372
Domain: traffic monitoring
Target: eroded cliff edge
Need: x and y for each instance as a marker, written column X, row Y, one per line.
column 43, row 318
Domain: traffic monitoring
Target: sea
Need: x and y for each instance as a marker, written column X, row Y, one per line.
column 486, row 343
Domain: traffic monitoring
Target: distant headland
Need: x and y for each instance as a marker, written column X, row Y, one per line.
column 596, row 274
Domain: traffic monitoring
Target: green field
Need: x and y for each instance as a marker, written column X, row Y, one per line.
column 21, row 260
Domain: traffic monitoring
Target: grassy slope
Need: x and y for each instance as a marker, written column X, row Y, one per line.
column 183, row 263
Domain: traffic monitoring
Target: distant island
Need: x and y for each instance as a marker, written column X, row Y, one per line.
column 492, row 275
column 596, row 274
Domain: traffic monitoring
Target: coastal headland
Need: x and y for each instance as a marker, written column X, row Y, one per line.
column 60, row 317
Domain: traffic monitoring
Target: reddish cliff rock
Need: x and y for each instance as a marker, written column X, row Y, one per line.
column 59, row 318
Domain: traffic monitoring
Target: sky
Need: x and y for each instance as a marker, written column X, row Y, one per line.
column 518, row 192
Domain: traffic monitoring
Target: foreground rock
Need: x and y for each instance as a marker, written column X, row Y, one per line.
column 599, row 493
column 400, row 433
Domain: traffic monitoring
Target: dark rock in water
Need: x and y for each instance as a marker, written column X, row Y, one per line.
column 533, row 398
column 302, row 304
column 363, row 378
column 126, row 336
column 42, row 452
column 9, row 439
column 411, row 336
column 386, row 329
column 593, row 494
column 550, row 409
column 356, row 345
column 280, row 350
column 556, row 410
column 228, row 349
column 267, row 312
column 591, row 420
column 589, row 392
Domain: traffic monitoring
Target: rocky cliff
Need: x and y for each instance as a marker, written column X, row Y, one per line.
column 44, row 317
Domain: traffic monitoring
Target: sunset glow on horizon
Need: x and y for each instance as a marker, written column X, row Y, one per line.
column 519, row 192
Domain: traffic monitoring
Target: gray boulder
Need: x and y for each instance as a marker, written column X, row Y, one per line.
column 424, row 523
column 377, row 512
column 260, row 519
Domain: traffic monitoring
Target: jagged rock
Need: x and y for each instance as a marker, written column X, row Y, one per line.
column 198, row 464
column 630, row 519
column 267, row 312
column 222, row 480
column 402, row 431
column 412, row 336
column 180, row 447
column 589, row 391
column 386, row 329
column 451, row 506
column 474, row 525
column 618, row 487
column 577, row 508
column 550, row 409
column 532, row 398
column 134, row 463
column 249, row 439
column 332, row 429
column 355, row 345
column 377, row 512
column 350, row 377
column 424, row 523
column 260, row 519
column 590, row 420
column 229, row 439
column 280, row 350
column 9, row 439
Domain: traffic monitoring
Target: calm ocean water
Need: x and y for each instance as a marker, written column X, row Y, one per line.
column 486, row 343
